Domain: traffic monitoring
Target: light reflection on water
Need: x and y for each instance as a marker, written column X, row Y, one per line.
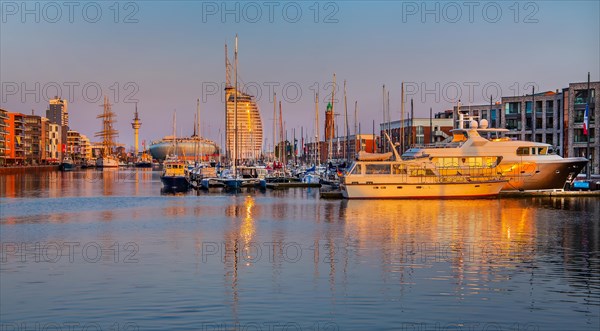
column 232, row 261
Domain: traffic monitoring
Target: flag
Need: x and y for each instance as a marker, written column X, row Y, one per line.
column 586, row 122
column 340, row 173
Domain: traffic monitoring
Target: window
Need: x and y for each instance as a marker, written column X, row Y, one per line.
column 528, row 107
column 512, row 108
column 357, row 170
column 513, row 124
column 581, row 96
column 398, row 169
column 538, row 106
column 448, row 162
column 377, row 169
column 421, row 172
column 549, row 107
column 420, row 138
column 523, row 151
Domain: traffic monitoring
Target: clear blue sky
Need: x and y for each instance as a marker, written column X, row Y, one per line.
column 169, row 50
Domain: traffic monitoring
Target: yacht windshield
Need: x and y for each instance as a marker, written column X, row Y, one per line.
column 413, row 153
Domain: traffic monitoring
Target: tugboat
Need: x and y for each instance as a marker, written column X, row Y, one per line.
column 67, row 164
column 173, row 176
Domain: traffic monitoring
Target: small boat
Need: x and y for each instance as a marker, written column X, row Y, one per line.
column 173, row 176
column 88, row 163
column 108, row 161
column 143, row 164
column 67, row 164
column 144, row 160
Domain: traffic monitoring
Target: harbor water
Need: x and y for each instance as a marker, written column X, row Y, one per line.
column 107, row 250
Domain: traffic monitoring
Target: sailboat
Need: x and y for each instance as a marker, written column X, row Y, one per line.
column 108, row 133
column 232, row 179
column 173, row 176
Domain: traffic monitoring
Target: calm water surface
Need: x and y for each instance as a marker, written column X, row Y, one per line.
column 107, row 251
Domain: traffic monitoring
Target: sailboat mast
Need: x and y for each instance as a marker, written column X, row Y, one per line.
column 318, row 143
column 332, row 119
column 274, row 124
column 281, row 141
column 389, row 117
column 235, row 129
column 355, row 125
column 346, row 129
column 383, row 146
column 402, row 119
column 227, row 85
column 198, row 130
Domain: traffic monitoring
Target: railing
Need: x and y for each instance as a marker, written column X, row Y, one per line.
column 437, row 145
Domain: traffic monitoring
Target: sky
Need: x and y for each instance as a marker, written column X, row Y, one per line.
column 164, row 55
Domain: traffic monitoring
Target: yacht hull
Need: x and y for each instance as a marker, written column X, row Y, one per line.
column 422, row 190
column 544, row 176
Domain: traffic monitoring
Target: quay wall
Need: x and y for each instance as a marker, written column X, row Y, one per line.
column 27, row 169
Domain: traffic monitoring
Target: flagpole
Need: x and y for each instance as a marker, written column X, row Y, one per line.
column 587, row 127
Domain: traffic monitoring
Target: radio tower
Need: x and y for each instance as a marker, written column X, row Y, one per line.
column 136, row 127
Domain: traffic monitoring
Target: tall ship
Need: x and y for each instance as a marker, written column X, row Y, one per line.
column 108, row 135
column 527, row 165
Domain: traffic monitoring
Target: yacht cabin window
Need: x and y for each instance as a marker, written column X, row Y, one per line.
column 398, row 169
column 377, row 169
column 356, row 170
column 523, row 151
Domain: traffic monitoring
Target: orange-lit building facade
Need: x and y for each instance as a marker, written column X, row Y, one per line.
column 15, row 139
column 3, row 134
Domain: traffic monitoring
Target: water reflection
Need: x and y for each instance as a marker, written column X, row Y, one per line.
column 287, row 255
column 83, row 182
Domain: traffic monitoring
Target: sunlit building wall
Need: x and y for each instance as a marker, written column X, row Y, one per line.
column 249, row 126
